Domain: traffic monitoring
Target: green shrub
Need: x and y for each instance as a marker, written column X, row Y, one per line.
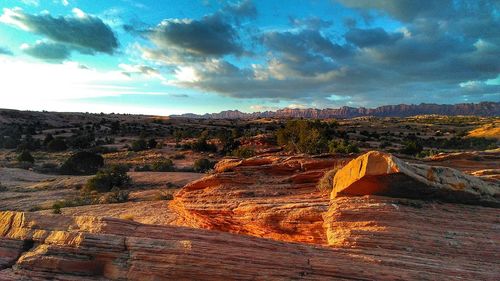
column 243, row 152
column 202, row 165
column 56, row 209
column 139, row 145
column 115, row 196
column 79, row 201
column 411, row 148
column 202, row 145
column 25, row 156
column 164, row 165
column 152, row 143
column 337, row 146
column 109, row 178
column 57, row 145
column 82, row 163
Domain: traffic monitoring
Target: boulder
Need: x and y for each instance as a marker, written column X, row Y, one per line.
column 378, row 173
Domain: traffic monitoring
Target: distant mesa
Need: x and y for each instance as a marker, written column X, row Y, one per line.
column 400, row 110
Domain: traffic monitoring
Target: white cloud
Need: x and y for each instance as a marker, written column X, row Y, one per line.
column 186, row 74
column 14, row 17
column 78, row 13
column 35, row 3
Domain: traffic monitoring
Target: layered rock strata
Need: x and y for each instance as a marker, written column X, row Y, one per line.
column 270, row 196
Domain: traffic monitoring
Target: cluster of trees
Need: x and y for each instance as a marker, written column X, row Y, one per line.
column 313, row 137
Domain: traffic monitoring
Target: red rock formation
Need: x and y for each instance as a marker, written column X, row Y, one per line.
column 369, row 237
column 379, row 173
column 462, row 240
column 373, row 238
column 273, row 197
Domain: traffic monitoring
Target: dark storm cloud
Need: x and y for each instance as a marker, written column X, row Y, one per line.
column 305, row 41
column 304, row 53
column 442, row 51
column 5, row 51
column 48, row 51
column 210, row 36
column 216, row 35
column 85, row 32
column 404, row 10
column 371, row 37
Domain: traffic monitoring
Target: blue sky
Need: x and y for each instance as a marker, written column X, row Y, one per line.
column 169, row 57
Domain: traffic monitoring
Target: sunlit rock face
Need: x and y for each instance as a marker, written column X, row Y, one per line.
column 270, row 196
column 378, row 173
column 402, row 223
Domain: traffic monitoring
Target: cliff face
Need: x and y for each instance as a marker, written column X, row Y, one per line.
column 400, row 110
column 363, row 230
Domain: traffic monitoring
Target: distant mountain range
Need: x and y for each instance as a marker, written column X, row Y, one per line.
column 400, row 110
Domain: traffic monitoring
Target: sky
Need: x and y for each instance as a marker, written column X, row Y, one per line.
column 180, row 56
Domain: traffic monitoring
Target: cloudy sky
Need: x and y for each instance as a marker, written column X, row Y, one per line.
column 178, row 56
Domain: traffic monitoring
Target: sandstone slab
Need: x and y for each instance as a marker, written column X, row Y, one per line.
column 266, row 196
column 378, row 173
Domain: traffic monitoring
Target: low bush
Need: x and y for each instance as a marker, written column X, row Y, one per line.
column 25, row 156
column 152, row 143
column 203, row 165
column 109, row 178
column 82, row 163
column 325, row 184
column 411, row 148
column 243, row 152
column 343, row 146
column 164, row 165
column 57, row 145
column 115, row 196
column 139, row 145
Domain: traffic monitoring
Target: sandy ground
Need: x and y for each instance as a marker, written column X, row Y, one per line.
column 27, row 190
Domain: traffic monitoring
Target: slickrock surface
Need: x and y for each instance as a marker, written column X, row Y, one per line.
column 379, row 173
column 270, row 196
column 372, row 247
column 463, row 240
column 351, row 236
column 468, row 162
